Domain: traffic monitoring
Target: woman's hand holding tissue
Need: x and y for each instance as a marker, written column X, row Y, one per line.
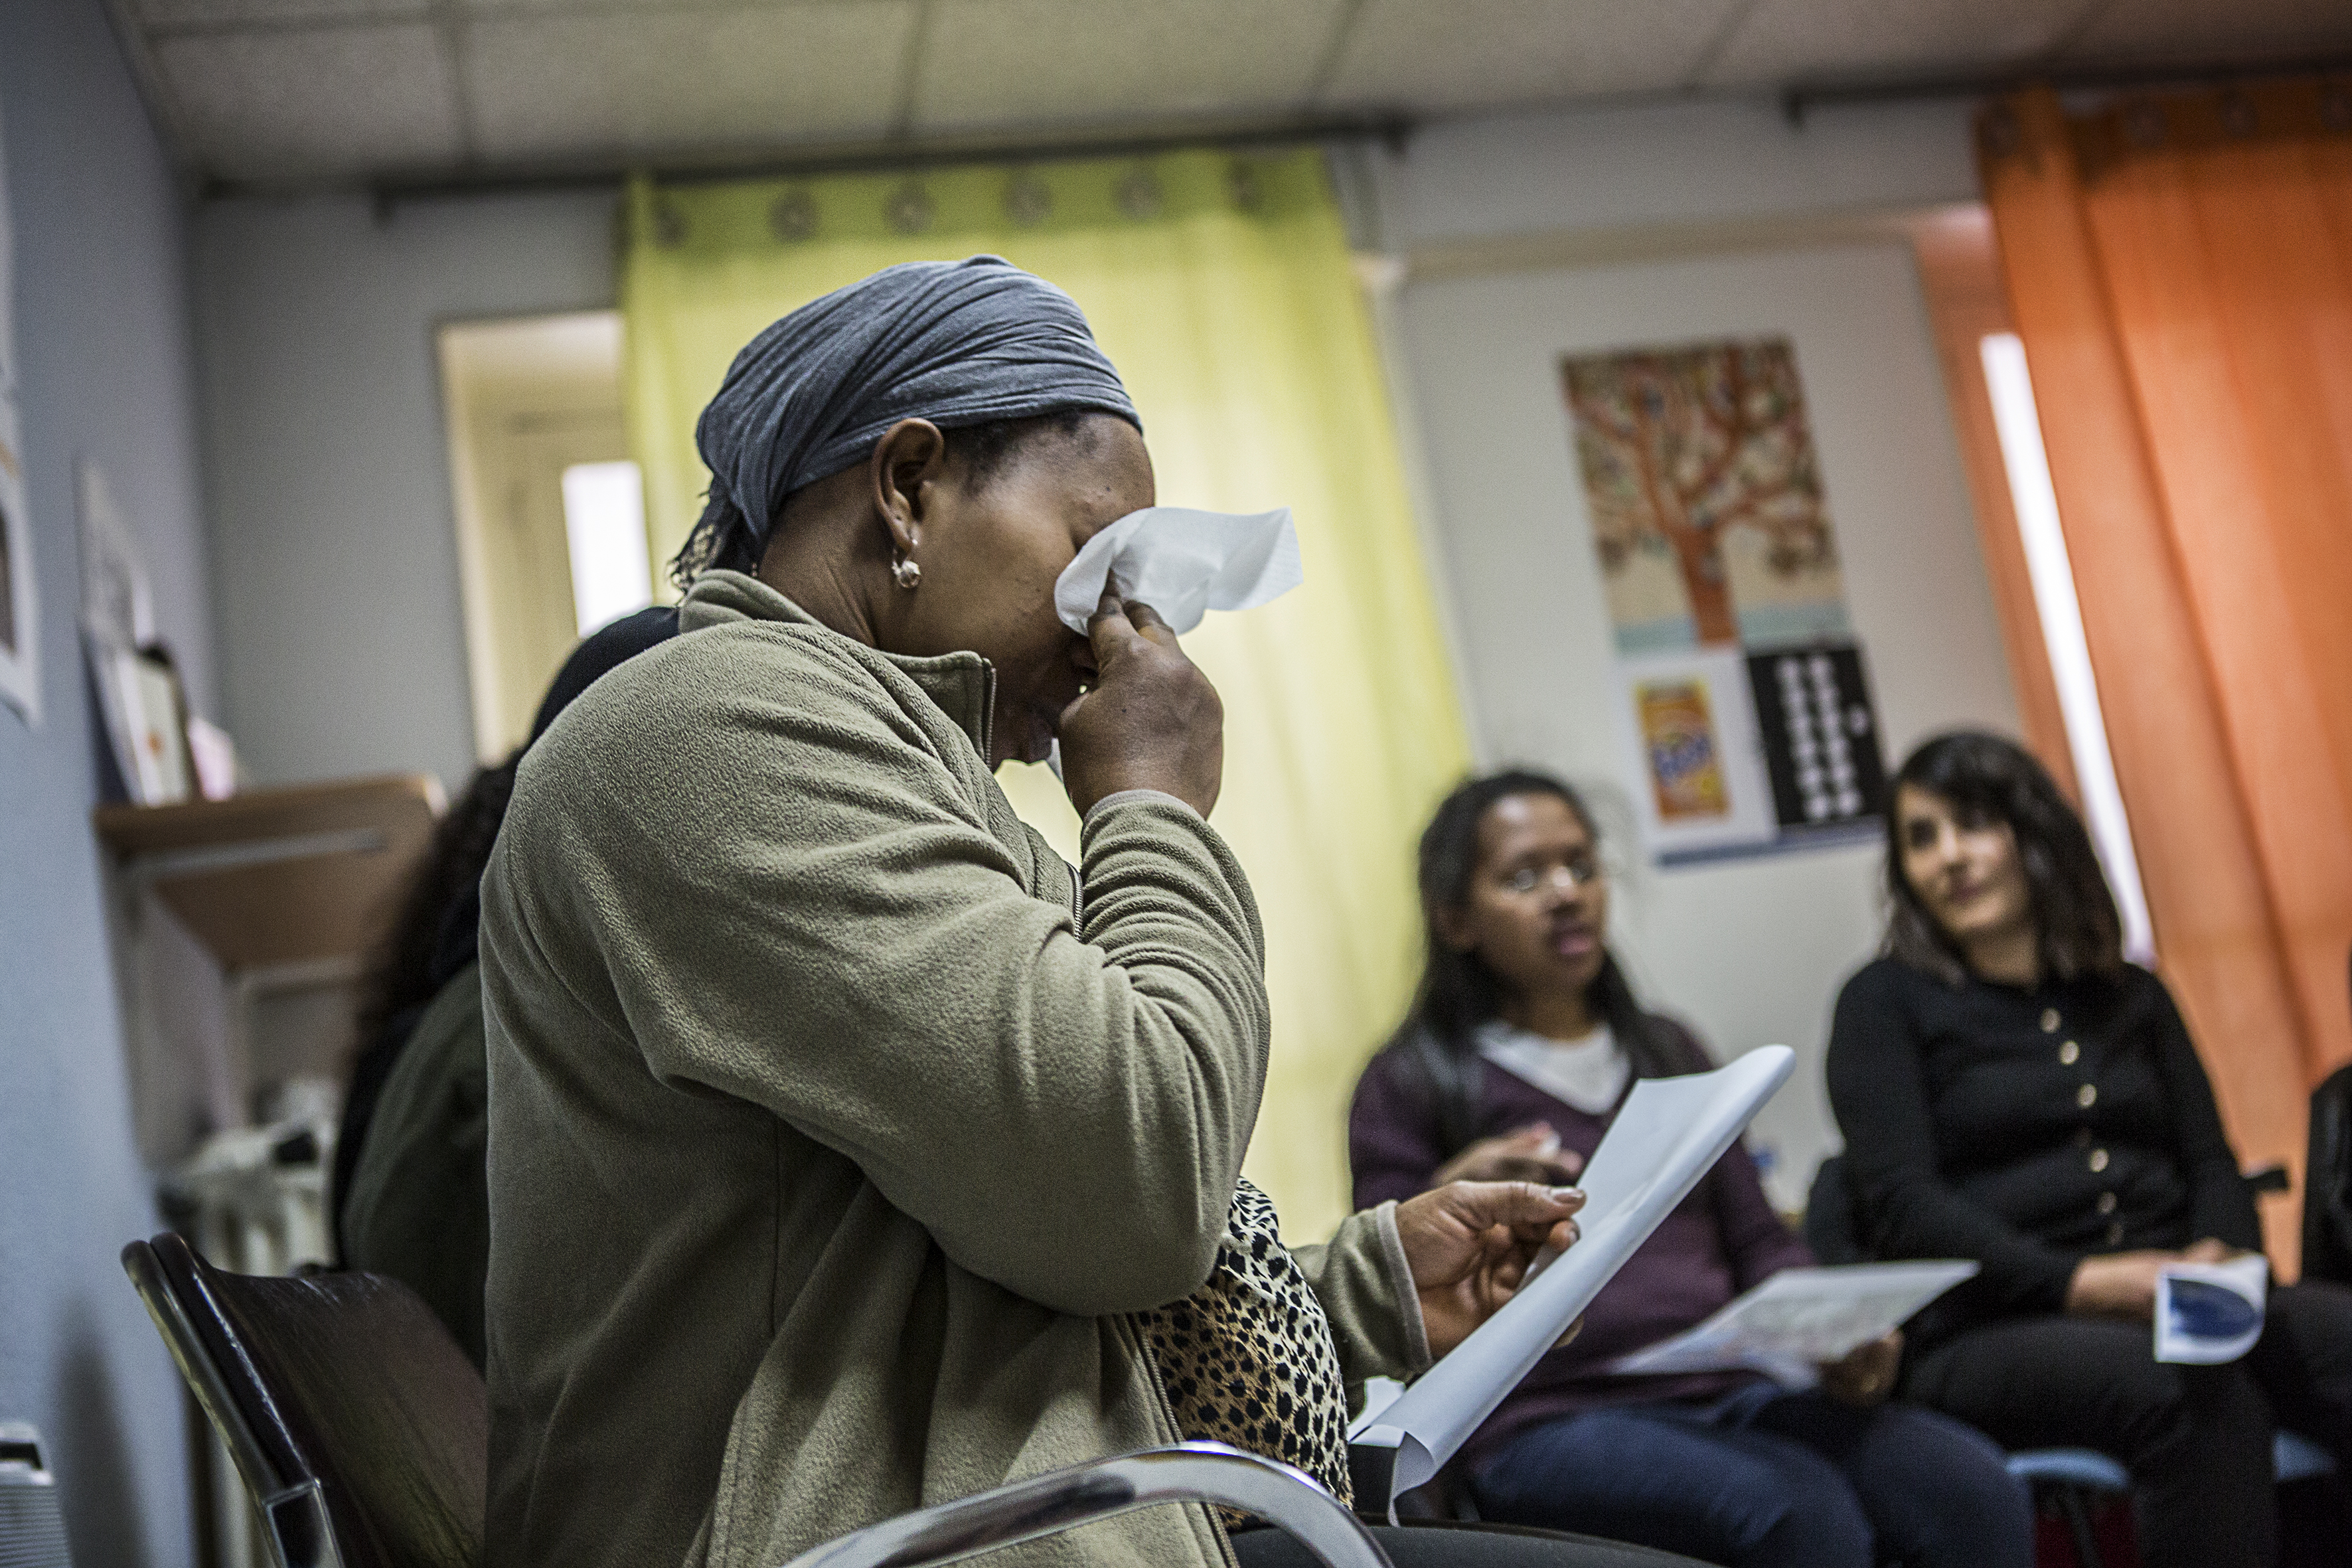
column 1469, row 1244
column 1147, row 720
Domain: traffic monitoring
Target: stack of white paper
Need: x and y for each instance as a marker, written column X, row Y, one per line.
column 1802, row 1319
column 1670, row 1132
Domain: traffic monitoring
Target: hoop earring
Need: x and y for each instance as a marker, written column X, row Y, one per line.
column 906, row 573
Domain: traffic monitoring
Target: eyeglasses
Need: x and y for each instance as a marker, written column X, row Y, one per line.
column 1577, row 871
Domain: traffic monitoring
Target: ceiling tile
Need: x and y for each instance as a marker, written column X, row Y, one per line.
column 1783, row 41
column 1434, row 55
column 554, row 86
column 2213, row 33
column 174, row 13
column 1030, row 62
column 314, row 102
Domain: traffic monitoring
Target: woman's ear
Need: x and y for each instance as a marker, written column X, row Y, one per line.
column 906, row 466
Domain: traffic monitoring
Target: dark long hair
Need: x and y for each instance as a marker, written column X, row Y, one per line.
column 402, row 975
column 1987, row 777
column 435, row 933
column 430, row 941
column 1458, row 992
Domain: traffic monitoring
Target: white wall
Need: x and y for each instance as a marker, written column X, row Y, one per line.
column 102, row 332
column 335, row 558
column 1748, row 952
column 1692, row 162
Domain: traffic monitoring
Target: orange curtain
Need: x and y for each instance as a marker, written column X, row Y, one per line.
column 2180, row 271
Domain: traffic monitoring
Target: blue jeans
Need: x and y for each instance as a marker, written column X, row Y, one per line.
column 1765, row 1479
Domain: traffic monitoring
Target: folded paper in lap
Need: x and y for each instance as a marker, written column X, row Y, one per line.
column 1183, row 563
column 1800, row 1319
column 2207, row 1313
column 1669, row 1133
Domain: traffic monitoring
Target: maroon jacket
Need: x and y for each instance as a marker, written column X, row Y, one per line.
column 1722, row 1240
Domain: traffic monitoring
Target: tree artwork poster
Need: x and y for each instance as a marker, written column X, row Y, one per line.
column 1712, row 531
column 1706, row 496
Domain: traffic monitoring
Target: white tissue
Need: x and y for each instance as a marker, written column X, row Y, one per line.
column 1183, row 563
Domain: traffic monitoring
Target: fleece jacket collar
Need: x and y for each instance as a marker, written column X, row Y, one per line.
column 962, row 684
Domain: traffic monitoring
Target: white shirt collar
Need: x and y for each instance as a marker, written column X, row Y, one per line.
column 1590, row 1074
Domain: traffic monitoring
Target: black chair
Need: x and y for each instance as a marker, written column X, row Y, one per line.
column 2327, row 1181
column 2065, row 1480
column 360, row 1432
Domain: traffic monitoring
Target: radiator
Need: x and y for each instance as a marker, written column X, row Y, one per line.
column 32, row 1524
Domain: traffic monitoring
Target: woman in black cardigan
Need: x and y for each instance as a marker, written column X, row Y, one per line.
column 2013, row 1091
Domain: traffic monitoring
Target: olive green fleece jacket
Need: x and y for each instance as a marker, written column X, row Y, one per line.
column 418, row 1209
column 833, row 1134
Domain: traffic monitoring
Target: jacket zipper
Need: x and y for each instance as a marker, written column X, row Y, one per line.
column 987, row 712
column 1168, row 1413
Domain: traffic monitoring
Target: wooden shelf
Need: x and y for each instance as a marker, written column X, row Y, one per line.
column 280, row 875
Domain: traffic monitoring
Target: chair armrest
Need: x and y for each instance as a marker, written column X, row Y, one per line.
column 1048, row 1504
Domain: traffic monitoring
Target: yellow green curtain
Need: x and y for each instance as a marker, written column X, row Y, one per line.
column 1221, row 288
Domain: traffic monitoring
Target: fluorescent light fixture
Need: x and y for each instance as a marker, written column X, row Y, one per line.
column 2061, row 612
column 604, row 524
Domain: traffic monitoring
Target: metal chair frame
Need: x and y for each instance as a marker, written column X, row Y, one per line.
column 286, row 1491
column 292, row 1499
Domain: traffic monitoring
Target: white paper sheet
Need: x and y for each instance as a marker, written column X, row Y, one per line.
column 1800, row 1319
column 1183, row 563
column 1670, row 1134
column 2207, row 1313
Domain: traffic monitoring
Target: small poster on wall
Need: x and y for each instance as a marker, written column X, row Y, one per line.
column 1702, row 787
column 1820, row 739
column 20, row 642
column 1721, row 566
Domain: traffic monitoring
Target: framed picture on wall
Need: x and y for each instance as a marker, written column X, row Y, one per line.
column 146, row 723
column 1746, row 712
column 20, row 641
column 1702, row 788
column 1820, row 737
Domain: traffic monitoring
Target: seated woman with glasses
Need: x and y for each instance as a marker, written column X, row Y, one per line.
column 1517, row 1055
column 2013, row 1091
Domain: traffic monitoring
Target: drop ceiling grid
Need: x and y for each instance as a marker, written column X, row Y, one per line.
column 989, row 63
column 1836, row 39
column 2142, row 29
column 316, row 103
column 1484, row 53
column 321, row 90
column 549, row 86
column 177, row 15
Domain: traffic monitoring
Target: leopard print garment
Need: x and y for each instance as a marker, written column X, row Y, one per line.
column 1248, row 1360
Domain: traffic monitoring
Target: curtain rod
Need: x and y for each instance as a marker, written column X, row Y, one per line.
column 386, row 195
column 1797, row 101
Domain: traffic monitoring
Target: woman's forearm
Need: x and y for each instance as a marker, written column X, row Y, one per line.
column 1365, row 1285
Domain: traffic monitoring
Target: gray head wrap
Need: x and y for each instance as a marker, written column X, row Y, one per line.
column 955, row 343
